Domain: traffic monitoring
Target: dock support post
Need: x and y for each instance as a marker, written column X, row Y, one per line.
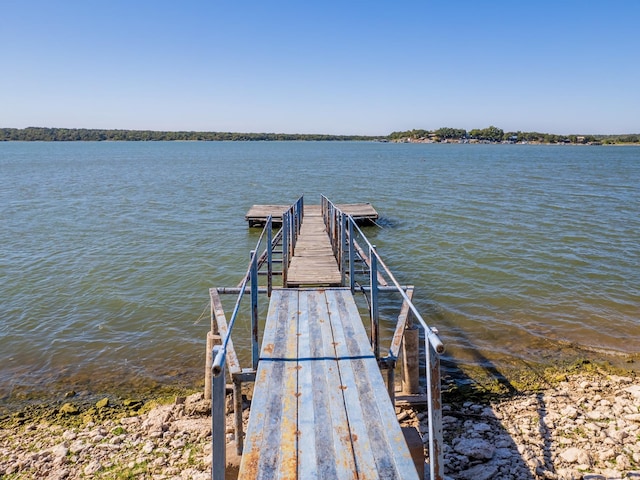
column 375, row 327
column 218, row 424
column 391, row 381
column 237, row 415
column 411, row 360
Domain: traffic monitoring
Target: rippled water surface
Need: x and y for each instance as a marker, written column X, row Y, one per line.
column 107, row 250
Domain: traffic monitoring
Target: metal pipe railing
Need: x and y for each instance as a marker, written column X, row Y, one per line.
column 291, row 224
column 250, row 277
column 433, row 346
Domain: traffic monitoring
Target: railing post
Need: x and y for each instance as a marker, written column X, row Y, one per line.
column 332, row 222
column 343, row 241
column 434, row 402
column 327, row 220
column 218, row 422
column 352, row 257
column 373, row 277
column 293, row 231
column 285, row 249
column 336, row 226
column 269, row 256
column 254, row 310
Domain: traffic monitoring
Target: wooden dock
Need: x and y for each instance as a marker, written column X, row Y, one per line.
column 320, row 407
column 257, row 214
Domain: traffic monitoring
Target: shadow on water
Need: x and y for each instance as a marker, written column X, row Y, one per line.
column 386, row 222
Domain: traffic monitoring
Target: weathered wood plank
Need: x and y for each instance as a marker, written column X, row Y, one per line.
column 329, row 438
column 401, row 324
column 361, row 444
column 221, row 323
column 307, row 415
column 333, row 396
column 288, row 449
column 262, row 453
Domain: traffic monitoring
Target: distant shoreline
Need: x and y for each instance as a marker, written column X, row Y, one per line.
column 491, row 135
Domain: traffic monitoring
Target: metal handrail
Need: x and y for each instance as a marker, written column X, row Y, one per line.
column 431, row 335
column 291, row 223
column 340, row 228
column 292, row 220
column 220, row 357
column 288, row 234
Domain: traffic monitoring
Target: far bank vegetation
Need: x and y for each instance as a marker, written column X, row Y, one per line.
column 497, row 135
column 442, row 135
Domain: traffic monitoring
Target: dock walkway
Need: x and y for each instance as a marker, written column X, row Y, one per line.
column 313, row 262
column 320, row 407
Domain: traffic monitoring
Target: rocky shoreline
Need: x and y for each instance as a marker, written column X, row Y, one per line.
column 585, row 425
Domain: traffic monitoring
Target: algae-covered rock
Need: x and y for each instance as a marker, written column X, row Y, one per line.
column 132, row 404
column 69, row 409
column 102, row 403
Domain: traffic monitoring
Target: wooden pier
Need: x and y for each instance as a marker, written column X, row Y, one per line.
column 257, row 215
column 320, row 406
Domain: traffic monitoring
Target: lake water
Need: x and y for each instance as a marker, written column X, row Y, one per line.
column 520, row 254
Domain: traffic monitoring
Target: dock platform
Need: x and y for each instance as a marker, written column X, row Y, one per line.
column 257, row 215
column 320, row 407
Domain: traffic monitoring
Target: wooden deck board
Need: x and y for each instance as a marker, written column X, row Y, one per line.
column 343, row 424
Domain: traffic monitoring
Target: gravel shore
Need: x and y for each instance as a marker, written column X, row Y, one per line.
column 585, row 426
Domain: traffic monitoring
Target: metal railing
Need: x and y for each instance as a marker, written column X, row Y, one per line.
column 291, row 223
column 224, row 354
column 351, row 246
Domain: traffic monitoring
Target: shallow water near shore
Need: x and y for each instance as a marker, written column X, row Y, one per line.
column 520, row 254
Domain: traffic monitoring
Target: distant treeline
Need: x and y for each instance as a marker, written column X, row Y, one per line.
column 494, row 134
column 81, row 134
column 445, row 134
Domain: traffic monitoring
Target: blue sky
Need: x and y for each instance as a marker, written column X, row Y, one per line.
column 332, row 67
